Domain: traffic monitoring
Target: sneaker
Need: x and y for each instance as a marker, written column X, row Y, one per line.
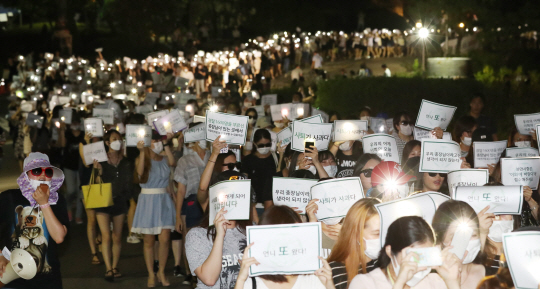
column 133, row 240
column 177, row 272
column 156, row 266
column 187, row 280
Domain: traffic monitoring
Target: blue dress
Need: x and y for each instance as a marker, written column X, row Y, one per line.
column 155, row 209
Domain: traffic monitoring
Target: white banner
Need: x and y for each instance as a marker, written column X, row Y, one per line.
column 136, row 133
column 487, row 153
column 336, row 197
column 467, row 178
column 172, row 122
column 432, row 115
column 422, row 205
column 506, row 200
column 303, row 132
column 383, row 145
column 525, row 123
column 420, row 134
column 195, row 133
column 440, row 156
column 522, row 253
column 345, row 130
column 94, row 151
column 521, row 152
column 94, row 126
column 66, row 115
column 292, row 192
column 106, row 114
column 232, row 128
column 234, row 195
column 285, row 136
column 285, row 249
column 520, row 171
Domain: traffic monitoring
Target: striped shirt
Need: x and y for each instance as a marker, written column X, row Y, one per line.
column 493, row 266
column 339, row 273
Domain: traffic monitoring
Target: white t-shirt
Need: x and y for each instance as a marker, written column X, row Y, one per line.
column 387, row 72
column 318, row 61
column 187, row 74
column 303, row 281
column 295, row 73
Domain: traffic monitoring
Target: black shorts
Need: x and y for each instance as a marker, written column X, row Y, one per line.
column 119, row 207
column 192, row 210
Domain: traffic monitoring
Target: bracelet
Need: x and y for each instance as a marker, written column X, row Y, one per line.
column 45, row 206
column 212, row 161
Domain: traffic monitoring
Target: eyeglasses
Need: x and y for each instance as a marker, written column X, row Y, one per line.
column 264, row 145
column 367, row 172
column 231, row 166
column 252, row 116
column 39, row 171
column 435, row 174
column 407, row 123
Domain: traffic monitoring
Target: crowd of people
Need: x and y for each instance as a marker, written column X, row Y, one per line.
column 161, row 190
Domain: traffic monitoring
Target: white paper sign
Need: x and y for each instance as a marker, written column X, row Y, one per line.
column 467, row 178
column 521, row 152
column 313, row 119
column 285, row 136
column 319, row 133
column 324, row 115
column 65, row 115
column 106, row 114
column 378, row 125
column 172, row 122
column 336, row 197
column 285, row 249
column 292, row 192
column 345, row 130
column 299, row 110
column 270, row 99
column 522, row 253
column 184, row 97
column 383, row 145
column 520, row 171
column 144, row 109
column 198, row 118
column 500, row 199
column 440, row 156
column 432, row 115
column 136, row 133
column 420, row 134
column 195, row 133
column 94, row 151
column 94, row 126
column 538, row 134
column 423, row 205
column 279, row 111
column 487, row 153
column 34, row 120
column 232, row 128
column 525, row 123
column 234, row 196
column 153, row 116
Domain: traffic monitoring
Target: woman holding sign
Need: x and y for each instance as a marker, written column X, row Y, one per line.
column 155, row 214
column 462, row 134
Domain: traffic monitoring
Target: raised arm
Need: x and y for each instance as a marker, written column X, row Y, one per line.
column 139, row 162
column 202, row 193
column 210, row 270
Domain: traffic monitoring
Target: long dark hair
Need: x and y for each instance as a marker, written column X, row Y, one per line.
column 463, row 124
column 402, row 233
column 362, row 161
column 407, row 149
column 259, row 135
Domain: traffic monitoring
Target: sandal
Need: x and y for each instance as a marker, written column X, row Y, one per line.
column 95, row 259
column 109, row 276
column 117, row 273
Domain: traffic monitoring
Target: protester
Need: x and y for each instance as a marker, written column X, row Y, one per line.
column 346, row 154
column 411, row 149
column 403, row 130
column 462, row 134
column 484, row 122
column 364, row 168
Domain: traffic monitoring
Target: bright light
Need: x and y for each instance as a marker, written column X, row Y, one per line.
column 189, row 108
column 141, row 133
column 89, row 82
column 300, row 111
column 134, row 90
column 419, row 24
column 284, row 112
column 461, row 25
column 90, row 99
column 214, row 108
column 112, row 85
column 423, row 32
column 276, row 36
column 474, row 29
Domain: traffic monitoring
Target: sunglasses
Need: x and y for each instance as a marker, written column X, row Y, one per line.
column 435, row 174
column 39, row 171
column 231, row 166
column 407, row 123
column 367, row 172
column 264, row 145
column 252, row 116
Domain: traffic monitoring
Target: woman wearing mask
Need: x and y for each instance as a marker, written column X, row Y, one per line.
column 322, row 279
column 364, row 168
column 252, row 114
column 260, row 166
column 279, row 125
column 155, row 213
column 347, row 153
column 403, row 130
column 449, row 218
column 412, row 149
column 308, row 160
column 118, row 171
column 396, row 269
column 515, row 139
column 328, row 162
column 462, row 134
column 358, row 245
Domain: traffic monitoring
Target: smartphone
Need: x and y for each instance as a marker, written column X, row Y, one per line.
column 309, row 144
column 428, row 257
column 461, row 239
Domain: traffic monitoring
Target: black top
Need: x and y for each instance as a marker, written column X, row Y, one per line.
column 339, row 273
column 493, row 265
column 120, row 177
column 260, row 171
column 486, row 123
column 198, row 75
column 71, row 156
column 345, row 164
column 14, row 208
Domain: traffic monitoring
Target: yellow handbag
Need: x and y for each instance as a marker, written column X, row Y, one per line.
column 97, row 195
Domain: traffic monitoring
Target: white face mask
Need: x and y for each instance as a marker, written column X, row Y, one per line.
column 75, row 127
column 312, row 169
column 331, row 170
column 202, row 144
column 346, row 146
column 252, row 121
column 523, row 144
column 35, row 183
column 157, row 147
column 419, row 276
column 263, row 151
column 467, row 141
column 279, row 124
column 116, row 145
column 405, row 129
column 373, row 248
column 473, row 248
column 498, row 229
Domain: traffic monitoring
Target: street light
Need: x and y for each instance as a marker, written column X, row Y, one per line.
column 461, row 25
column 423, row 33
